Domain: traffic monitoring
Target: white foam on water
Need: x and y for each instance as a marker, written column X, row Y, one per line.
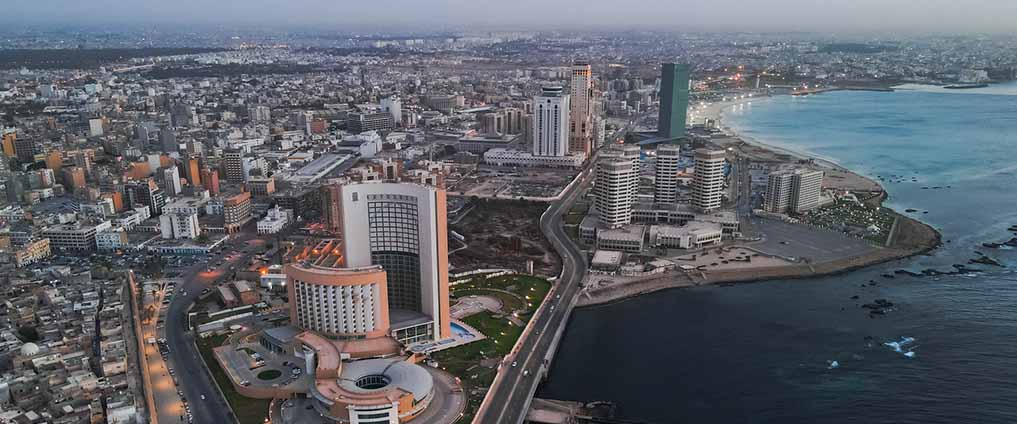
column 833, row 364
column 909, row 354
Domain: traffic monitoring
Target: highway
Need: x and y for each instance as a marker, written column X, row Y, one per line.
column 509, row 396
column 184, row 358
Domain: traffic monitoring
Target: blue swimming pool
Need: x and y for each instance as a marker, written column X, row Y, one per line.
column 458, row 330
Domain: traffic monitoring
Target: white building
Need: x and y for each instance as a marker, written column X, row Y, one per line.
column 179, row 220
column 95, row 127
column 693, row 235
column 111, row 239
column 665, row 183
column 394, row 107
column 550, row 122
column 276, row 219
column 617, row 184
column 708, row 179
column 506, row 157
column 367, row 143
column 171, row 177
column 795, row 191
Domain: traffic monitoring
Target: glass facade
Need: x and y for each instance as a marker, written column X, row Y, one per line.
column 395, row 245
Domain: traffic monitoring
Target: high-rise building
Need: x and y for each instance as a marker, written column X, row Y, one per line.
column 25, row 149
column 402, row 228
column 147, row 193
column 233, row 162
column 613, row 191
column 492, row 123
column 363, row 122
column 617, row 185
column 338, row 302
column 210, row 180
column 180, row 220
column 9, row 137
column 193, row 171
column 674, row 100
column 236, row 211
column 74, row 178
column 331, row 208
column 778, row 192
column 806, row 188
column 550, row 122
column 795, row 191
column 581, row 109
column 665, row 183
column 393, row 106
column 513, row 120
column 171, row 180
column 708, row 179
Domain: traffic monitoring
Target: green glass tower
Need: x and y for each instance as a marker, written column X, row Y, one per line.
column 674, row 100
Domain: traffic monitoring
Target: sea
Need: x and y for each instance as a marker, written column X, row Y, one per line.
column 805, row 351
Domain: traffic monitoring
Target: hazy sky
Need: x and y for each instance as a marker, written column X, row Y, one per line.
column 693, row 15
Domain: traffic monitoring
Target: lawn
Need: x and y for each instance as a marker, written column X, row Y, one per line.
column 249, row 411
column 464, row 361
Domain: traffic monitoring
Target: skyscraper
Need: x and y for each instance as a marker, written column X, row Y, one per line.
column 708, row 180
column 793, row 191
column 331, row 208
column 617, row 184
column 674, row 100
column 665, row 184
column 402, row 227
column 581, row 109
column 550, row 122
column 778, row 192
column 234, row 163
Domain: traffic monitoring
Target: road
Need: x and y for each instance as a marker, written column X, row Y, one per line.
column 511, row 391
column 184, row 358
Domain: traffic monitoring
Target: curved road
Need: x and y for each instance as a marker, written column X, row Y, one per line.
column 184, row 358
column 510, row 394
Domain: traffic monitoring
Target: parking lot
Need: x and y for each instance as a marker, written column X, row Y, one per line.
column 801, row 241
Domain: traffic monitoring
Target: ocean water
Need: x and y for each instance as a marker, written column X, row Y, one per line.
column 763, row 352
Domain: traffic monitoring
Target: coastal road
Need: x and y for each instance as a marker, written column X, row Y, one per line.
column 509, row 396
column 184, row 358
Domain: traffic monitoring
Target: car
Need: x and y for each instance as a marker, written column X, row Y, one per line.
column 514, row 363
column 526, row 373
column 202, row 397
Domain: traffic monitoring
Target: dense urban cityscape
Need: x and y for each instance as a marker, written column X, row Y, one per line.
column 241, row 226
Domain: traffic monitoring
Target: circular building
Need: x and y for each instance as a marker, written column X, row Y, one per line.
column 378, row 390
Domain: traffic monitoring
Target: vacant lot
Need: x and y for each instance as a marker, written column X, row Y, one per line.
column 504, row 234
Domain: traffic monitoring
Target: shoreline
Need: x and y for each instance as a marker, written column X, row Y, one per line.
column 918, row 238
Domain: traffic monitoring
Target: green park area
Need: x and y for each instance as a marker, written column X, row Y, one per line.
column 248, row 410
column 476, row 363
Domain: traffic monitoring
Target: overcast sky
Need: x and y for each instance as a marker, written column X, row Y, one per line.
column 693, row 15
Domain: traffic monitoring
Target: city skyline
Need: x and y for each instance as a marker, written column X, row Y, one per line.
column 910, row 16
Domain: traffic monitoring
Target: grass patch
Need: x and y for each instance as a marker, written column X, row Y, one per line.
column 248, row 410
column 269, row 375
column 464, row 361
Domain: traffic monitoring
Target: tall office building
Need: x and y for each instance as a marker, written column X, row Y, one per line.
column 402, row 228
column 234, row 164
column 617, row 185
column 513, row 120
column 581, row 109
column 806, row 188
column 793, row 191
column 708, row 180
column 550, row 122
column 394, row 107
column 778, row 192
column 674, row 100
column 168, row 140
column 665, row 183
column 210, row 180
column 192, row 171
column 25, row 149
column 331, row 208
column 492, row 123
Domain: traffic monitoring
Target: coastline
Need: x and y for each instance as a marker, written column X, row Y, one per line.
column 910, row 237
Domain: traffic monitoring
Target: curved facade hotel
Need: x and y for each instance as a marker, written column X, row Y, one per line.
column 402, row 228
column 378, row 390
column 339, row 303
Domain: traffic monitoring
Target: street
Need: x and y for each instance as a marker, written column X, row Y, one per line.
column 509, row 396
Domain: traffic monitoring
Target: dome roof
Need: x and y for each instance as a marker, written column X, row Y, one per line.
column 29, row 349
